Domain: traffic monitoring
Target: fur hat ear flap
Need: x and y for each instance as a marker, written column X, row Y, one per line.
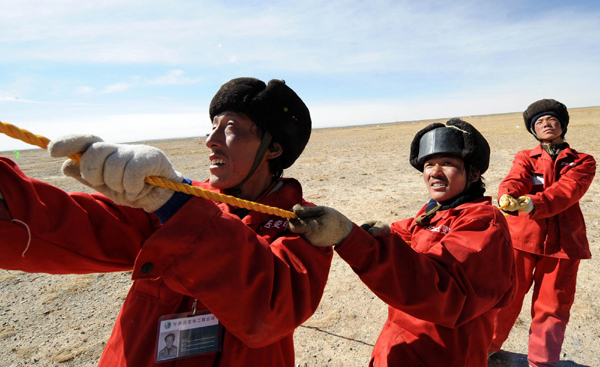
column 476, row 148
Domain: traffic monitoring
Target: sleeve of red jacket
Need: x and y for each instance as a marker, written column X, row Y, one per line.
column 401, row 229
column 51, row 231
column 464, row 275
column 261, row 292
column 567, row 191
column 518, row 181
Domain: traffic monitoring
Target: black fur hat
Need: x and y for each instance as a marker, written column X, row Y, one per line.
column 538, row 109
column 275, row 107
column 465, row 140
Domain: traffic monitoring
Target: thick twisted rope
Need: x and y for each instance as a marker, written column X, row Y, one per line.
column 42, row 142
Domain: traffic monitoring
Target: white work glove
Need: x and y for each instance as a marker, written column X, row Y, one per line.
column 117, row 170
column 320, row 225
column 525, row 204
column 509, row 203
column 376, row 227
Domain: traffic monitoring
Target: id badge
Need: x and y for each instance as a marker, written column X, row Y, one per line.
column 187, row 334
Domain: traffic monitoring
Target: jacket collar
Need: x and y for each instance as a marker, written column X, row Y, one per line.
column 288, row 194
column 539, row 151
column 449, row 212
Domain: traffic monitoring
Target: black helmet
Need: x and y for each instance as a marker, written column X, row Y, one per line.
column 546, row 107
column 275, row 107
column 457, row 137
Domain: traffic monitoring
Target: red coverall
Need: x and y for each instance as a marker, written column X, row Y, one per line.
column 443, row 283
column 549, row 243
column 260, row 280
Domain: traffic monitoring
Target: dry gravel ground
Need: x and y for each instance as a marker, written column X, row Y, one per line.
column 363, row 172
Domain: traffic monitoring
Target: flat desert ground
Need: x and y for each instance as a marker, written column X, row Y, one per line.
column 363, row 172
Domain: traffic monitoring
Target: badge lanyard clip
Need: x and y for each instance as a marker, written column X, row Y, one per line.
column 194, row 307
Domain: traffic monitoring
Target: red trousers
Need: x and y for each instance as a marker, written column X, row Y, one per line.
column 554, row 283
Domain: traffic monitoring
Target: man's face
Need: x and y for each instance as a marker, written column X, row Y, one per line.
column 445, row 176
column 169, row 340
column 547, row 128
column 233, row 143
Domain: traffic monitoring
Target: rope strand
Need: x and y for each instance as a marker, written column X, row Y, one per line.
column 42, row 142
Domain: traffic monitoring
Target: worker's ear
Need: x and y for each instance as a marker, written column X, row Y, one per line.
column 275, row 150
column 474, row 175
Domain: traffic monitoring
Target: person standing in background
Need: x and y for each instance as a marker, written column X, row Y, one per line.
column 541, row 193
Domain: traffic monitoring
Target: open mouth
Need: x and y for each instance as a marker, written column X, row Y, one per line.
column 439, row 185
column 217, row 162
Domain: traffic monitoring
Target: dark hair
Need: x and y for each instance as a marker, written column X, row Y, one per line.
column 479, row 184
column 170, row 335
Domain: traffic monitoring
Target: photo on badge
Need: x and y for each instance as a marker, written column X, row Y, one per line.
column 186, row 335
column 167, row 350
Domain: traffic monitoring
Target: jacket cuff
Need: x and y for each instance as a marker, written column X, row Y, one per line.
column 165, row 212
column 353, row 249
column 539, row 207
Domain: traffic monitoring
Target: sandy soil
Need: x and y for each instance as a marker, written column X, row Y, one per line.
column 363, row 172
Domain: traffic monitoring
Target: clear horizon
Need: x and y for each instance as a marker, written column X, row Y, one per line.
column 27, row 146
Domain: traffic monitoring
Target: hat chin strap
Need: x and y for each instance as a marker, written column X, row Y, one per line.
column 260, row 154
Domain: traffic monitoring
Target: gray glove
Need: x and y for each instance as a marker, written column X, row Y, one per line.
column 376, row 227
column 117, row 170
column 320, row 225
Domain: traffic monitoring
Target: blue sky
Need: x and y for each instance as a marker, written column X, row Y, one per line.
column 136, row 70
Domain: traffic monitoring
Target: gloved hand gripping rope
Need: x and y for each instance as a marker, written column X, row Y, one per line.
column 510, row 203
column 42, row 142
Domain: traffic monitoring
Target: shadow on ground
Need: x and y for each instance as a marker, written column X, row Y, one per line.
column 508, row 359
